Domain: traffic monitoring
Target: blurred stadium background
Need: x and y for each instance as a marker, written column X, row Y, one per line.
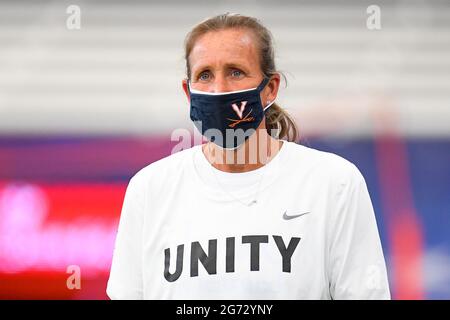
column 82, row 110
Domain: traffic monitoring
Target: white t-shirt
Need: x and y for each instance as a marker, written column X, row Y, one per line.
column 186, row 231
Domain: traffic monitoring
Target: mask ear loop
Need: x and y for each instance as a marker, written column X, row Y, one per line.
column 263, row 83
column 261, row 86
column 269, row 105
column 188, row 83
column 278, row 124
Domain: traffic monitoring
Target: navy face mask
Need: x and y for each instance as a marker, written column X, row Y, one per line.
column 228, row 119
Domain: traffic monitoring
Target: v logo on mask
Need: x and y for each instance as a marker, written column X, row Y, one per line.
column 239, row 111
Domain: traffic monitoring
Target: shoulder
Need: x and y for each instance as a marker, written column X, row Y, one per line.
column 159, row 176
column 323, row 164
column 167, row 167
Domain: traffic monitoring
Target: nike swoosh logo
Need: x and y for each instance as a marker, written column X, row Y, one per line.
column 286, row 217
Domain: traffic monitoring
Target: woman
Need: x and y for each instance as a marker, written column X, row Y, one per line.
column 247, row 215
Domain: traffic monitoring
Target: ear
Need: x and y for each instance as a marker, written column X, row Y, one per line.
column 184, row 84
column 271, row 90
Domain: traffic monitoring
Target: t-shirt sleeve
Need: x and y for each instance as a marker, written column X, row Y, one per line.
column 357, row 268
column 125, row 279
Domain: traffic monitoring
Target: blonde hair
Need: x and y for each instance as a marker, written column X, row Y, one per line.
column 276, row 117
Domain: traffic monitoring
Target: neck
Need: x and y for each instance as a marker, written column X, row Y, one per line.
column 257, row 151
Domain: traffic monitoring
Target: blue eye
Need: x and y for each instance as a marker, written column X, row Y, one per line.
column 236, row 73
column 204, row 76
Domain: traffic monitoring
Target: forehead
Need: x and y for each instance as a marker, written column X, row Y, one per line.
column 225, row 46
